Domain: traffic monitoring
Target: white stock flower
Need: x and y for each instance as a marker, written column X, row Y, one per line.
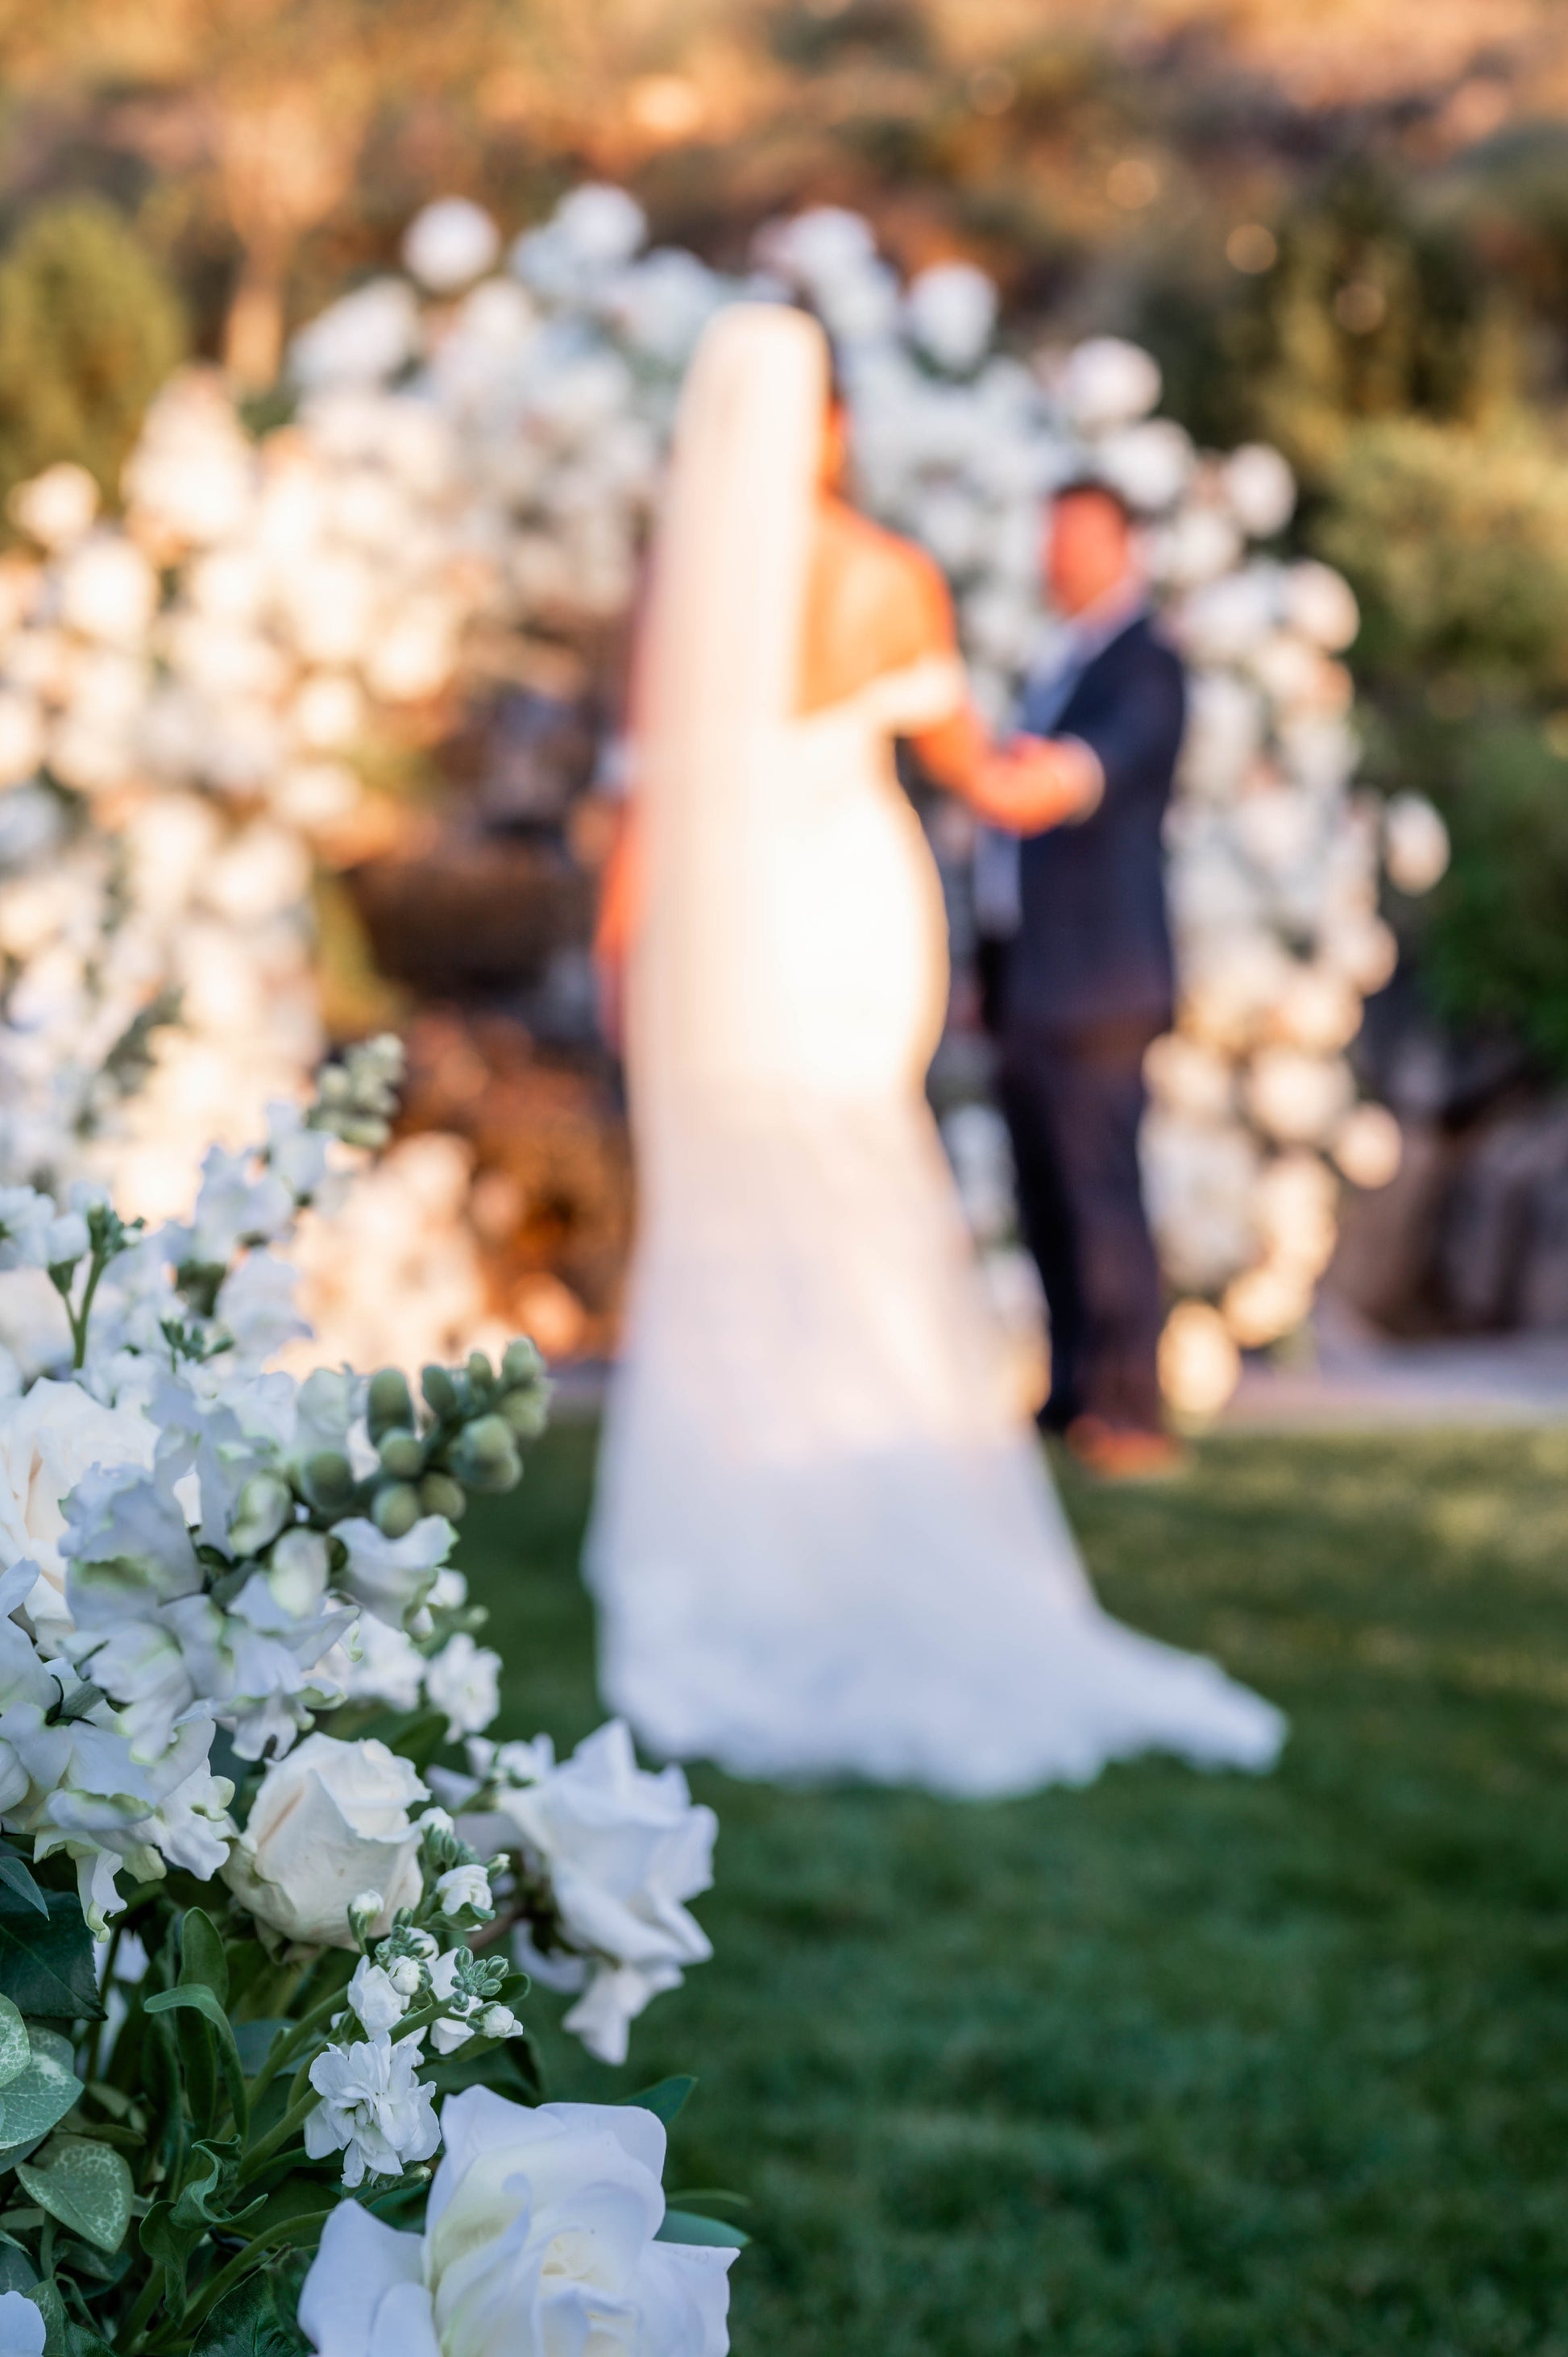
column 464, row 1680
column 392, row 1577
column 463, row 1886
column 330, row 1820
column 235, row 1205
column 377, row 1663
column 49, row 1439
column 539, row 2240
column 376, row 1997
column 372, row 2110
column 26, row 1220
column 623, row 1850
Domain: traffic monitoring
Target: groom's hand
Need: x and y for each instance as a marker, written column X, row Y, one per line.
column 1037, row 782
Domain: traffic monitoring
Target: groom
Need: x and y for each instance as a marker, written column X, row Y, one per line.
column 1082, row 982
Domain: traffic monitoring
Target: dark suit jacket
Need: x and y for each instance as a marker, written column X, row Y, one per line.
column 1093, row 947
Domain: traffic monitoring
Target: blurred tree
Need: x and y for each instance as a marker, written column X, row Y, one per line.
column 89, row 331
column 1456, row 540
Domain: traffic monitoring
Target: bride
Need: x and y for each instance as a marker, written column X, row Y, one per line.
column 822, row 1543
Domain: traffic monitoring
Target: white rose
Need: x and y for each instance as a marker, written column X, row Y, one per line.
column 539, row 2238
column 331, row 1820
column 49, row 1438
column 623, row 1849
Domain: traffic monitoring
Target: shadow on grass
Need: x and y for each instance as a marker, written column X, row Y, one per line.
column 1183, row 2065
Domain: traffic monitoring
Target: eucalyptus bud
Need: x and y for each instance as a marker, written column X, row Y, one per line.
column 527, row 1412
column 262, row 1507
column 329, row 1480
column 439, row 1494
column 486, row 1455
column 402, row 1455
column 521, row 1364
column 441, row 1392
column 389, row 1404
column 396, row 1509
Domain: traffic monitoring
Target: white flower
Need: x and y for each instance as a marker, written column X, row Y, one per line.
column 377, row 1663
column 1260, row 489
column 463, row 1886
column 1108, row 383
column 1415, row 844
column 49, row 1439
column 447, row 2035
column 235, row 1205
column 537, row 2242
column 376, row 1997
column 58, row 506
column 952, row 309
column 26, row 1221
column 372, row 2109
column 22, row 2331
column 623, row 1849
column 256, row 1305
column 329, row 1821
column 464, row 1680
column 499, row 2021
column 392, row 1577
column 444, row 1970
column 448, row 243
column 366, row 336
column 601, row 223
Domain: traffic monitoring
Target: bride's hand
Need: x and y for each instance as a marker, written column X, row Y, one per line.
column 1034, row 783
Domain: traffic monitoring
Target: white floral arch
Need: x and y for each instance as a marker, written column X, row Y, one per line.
column 475, row 451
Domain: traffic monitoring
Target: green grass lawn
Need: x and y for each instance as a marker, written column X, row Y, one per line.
column 1182, row 2063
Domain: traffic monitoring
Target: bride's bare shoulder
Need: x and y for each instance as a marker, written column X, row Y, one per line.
column 877, row 604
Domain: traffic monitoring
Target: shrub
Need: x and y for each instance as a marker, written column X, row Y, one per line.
column 90, row 329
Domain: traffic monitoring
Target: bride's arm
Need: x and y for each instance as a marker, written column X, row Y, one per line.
column 1025, row 788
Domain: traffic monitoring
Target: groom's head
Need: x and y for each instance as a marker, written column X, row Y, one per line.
column 1090, row 546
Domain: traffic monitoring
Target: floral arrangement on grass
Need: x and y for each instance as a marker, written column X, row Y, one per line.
column 263, row 1956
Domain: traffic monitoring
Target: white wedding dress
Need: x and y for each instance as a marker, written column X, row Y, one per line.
column 822, row 1543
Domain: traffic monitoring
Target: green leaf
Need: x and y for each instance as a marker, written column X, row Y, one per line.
column 666, row 2100
column 201, row 1957
column 16, row 1877
column 39, row 2098
column 246, row 2323
column 57, row 2341
column 197, row 1997
column 512, row 2069
column 14, row 2051
column 17, row 2272
column 47, row 1965
column 254, row 2041
column 715, row 2234
column 422, row 1739
column 85, row 2185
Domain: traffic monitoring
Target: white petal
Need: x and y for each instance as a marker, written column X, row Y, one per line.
column 359, row 2260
